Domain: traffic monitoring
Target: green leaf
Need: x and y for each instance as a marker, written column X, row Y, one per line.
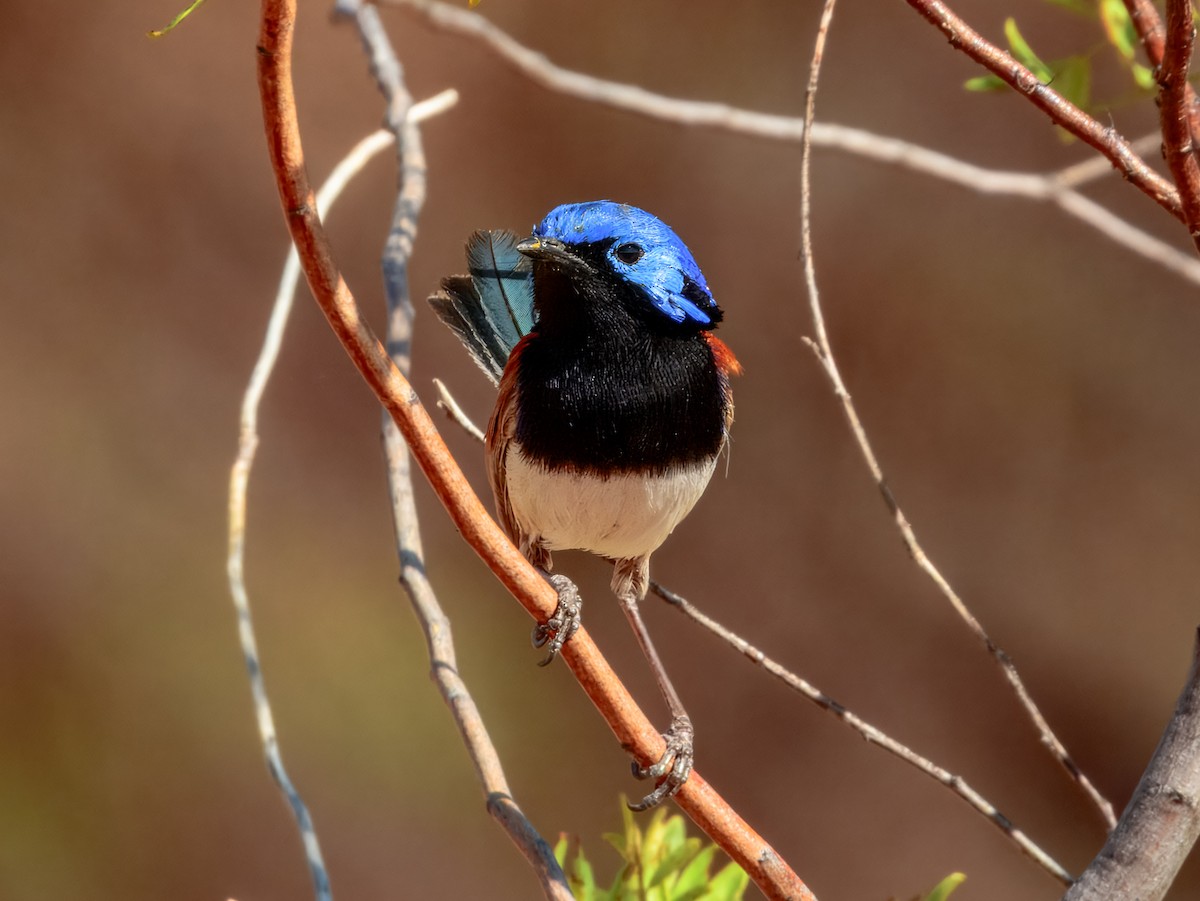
column 984, row 83
column 159, row 32
column 942, row 890
column 619, row 842
column 660, row 862
column 729, row 884
column 1073, row 79
column 1118, row 27
column 672, row 860
column 1143, row 76
column 582, row 878
column 1023, row 53
column 695, row 874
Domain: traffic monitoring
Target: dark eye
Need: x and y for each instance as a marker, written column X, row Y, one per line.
column 630, row 253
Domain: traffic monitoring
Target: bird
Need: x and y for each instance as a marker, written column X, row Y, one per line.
column 613, row 406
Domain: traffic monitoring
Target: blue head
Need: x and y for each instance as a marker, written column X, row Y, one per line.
column 602, row 241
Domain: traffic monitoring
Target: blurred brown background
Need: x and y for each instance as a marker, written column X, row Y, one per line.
column 1030, row 386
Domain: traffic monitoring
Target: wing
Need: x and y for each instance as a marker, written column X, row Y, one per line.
column 502, row 427
column 504, row 278
column 491, row 309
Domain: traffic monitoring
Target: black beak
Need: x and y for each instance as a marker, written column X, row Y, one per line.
column 553, row 252
column 542, row 248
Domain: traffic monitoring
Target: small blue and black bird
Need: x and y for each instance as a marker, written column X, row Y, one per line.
column 614, row 404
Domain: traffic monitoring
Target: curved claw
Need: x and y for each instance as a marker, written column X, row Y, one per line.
column 563, row 623
column 673, row 767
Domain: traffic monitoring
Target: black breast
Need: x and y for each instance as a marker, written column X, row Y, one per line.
column 619, row 397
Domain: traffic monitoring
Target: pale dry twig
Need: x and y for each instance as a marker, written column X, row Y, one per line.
column 1057, row 187
column 871, row 733
column 409, row 549
column 239, row 482
column 823, row 351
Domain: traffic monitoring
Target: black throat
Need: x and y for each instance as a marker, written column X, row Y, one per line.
column 607, row 384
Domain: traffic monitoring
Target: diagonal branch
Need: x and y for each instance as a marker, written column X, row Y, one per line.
column 1061, row 111
column 1162, row 822
column 632, row 728
column 1177, row 104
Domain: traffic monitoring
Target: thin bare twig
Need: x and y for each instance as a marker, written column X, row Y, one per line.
column 1061, row 111
column 824, row 353
column 1162, row 822
column 1176, row 106
column 239, row 483
column 871, row 733
column 1053, row 187
column 434, row 623
column 447, row 403
column 629, row 724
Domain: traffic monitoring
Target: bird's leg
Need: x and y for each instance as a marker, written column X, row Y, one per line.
column 567, row 616
column 630, row 580
column 566, row 619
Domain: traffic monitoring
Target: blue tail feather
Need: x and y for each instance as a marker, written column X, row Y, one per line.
column 491, row 309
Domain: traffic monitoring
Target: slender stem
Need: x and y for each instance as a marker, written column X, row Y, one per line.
column 824, row 353
column 1057, row 188
column 1176, row 106
column 823, row 350
column 874, row 735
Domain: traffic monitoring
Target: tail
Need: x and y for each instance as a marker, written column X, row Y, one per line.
column 492, row 308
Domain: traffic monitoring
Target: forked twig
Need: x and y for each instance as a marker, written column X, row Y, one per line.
column 239, row 482
column 434, row 623
column 824, row 353
column 956, row 784
column 632, row 728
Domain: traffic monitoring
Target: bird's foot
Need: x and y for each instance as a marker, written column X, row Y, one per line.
column 673, row 768
column 567, row 616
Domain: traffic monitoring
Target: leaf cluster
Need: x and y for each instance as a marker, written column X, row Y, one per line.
column 1071, row 76
column 660, row 862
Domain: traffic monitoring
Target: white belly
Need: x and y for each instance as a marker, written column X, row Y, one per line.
column 622, row 516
